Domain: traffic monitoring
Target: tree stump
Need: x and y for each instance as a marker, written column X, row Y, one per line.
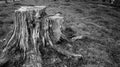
column 28, row 27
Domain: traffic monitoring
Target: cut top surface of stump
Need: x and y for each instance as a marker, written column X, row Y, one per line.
column 30, row 8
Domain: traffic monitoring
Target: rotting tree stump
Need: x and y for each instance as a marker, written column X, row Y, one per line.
column 28, row 20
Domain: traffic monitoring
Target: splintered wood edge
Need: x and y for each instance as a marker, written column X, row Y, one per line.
column 29, row 8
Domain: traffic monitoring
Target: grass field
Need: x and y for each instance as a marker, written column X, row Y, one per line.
column 98, row 24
